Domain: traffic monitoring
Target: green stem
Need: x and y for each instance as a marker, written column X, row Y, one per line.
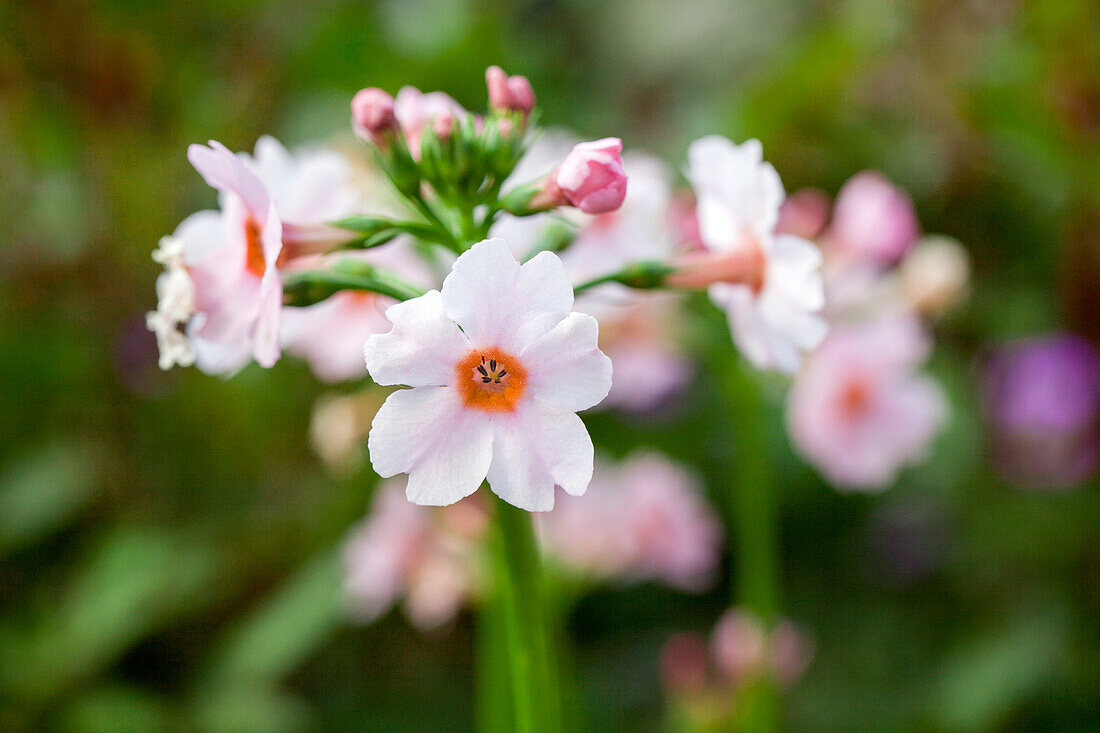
column 521, row 595
column 638, row 275
column 754, row 518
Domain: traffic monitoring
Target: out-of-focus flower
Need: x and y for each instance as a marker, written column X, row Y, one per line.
column 643, row 519
column 873, row 220
column 403, row 550
column 739, row 645
column 498, row 368
column 509, row 93
column 858, row 411
column 175, row 306
column 708, row 683
column 415, row 110
column 773, row 310
column 330, row 334
column 372, row 115
column 934, row 274
column 338, row 428
column 804, row 213
column 1042, row 398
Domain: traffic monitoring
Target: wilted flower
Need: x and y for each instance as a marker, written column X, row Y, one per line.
column 1042, row 398
column 858, row 411
column 498, row 368
column 774, row 307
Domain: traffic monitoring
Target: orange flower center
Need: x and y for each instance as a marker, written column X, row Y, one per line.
column 490, row 380
column 855, row 398
column 254, row 249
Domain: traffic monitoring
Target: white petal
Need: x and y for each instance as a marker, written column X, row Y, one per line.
column 566, row 366
column 536, row 447
column 427, row 433
column 421, row 349
column 499, row 303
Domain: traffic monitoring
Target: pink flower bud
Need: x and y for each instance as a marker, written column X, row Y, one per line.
column 684, row 663
column 372, row 114
column 510, row 93
column 592, row 177
column 874, row 219
column 739, row 643
column 443, row 125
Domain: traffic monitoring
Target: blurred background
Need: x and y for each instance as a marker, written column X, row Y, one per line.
column 169, row 541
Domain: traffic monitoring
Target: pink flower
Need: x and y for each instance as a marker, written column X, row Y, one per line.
column 509, row 93
column 372, row 115
column 804, row 213
column 498, row 368
column 873, row 219
column 739, row 645
column 773, row 307
column 273, row 206
column 643, row 519
column 232, row 258
column 858, row 411
column 592, row 177
column 403, row 550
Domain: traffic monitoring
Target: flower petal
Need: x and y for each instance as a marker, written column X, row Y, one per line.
column 536, row 447
column 421, row 349
column 566, row 365
column 499, row 303
column 229, row 174
column 426, row 433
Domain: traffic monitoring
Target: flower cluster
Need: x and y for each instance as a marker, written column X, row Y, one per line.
column 708, row 679
column 643, row 519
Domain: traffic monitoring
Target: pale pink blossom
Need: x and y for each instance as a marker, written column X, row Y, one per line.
column 859, row 411
column 498, row 368
column 592, row 178
column 739, row 645
column 643, row 519
column 273, row 206
column 873, row 220
column 404, row 551
column 774, row 311
column 804, row 213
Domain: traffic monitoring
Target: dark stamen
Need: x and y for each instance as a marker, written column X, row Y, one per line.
column 482, row 370
column 493, row 364
column 502, row 373
column 486, row 379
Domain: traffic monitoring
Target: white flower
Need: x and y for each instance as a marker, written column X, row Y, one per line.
column 498, row 368
column 775, row 317
column 174, row 346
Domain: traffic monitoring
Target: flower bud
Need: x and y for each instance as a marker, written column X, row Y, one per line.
column 874, row 219
column 372, row 115
column 591, row 177
column 739, row 644
column 934, row 274
column 804, row 213
column 509, row 93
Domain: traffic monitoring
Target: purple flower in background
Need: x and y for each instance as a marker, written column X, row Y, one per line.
column 1042, row 397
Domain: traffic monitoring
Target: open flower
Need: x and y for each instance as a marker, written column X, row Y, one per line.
column 774, row 308
column 858, row 411
column 498, row 368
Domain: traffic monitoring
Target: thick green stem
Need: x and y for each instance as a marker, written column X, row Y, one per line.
column 754, row 519
column 521, row 596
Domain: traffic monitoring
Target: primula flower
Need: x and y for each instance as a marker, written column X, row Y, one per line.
column 273, row 207
column 858, row 411
column 498, row 368
column 773, row 307
column 415, row 110
column 592, row 177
